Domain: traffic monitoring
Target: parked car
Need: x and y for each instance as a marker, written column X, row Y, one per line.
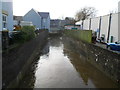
column 114, row 46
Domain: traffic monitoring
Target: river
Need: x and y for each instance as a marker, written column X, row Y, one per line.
column 59, row 66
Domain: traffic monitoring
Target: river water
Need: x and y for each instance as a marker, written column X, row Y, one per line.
column 59, row 66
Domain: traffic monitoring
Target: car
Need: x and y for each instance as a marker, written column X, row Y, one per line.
column 114, row 46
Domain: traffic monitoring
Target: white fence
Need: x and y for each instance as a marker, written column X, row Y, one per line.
column 105, row 26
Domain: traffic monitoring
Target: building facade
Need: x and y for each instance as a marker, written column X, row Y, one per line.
column 41, row 20
column 7, row 15
column 18, row 21
column 106, row 27
column 45, row 20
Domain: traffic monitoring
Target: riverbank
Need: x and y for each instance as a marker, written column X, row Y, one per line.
column 60, row 65
column 17, row 61
column 104, row 60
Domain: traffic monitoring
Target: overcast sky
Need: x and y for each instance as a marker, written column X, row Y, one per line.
column 63, row 8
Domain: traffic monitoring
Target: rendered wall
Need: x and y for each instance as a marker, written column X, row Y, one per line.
column 84, row 35
column 33, row 17
column 46, row 24
column 7, row 5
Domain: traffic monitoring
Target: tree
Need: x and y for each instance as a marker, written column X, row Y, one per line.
column 84, row 13
column 70, row 20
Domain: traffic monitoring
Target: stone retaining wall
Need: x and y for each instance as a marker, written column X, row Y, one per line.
column 106, row 61
column 16, row 62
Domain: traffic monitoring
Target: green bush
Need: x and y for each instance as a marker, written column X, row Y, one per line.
column 25, row 34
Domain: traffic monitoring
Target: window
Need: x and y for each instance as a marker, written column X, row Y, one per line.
column 44, row 20
column 4, row 20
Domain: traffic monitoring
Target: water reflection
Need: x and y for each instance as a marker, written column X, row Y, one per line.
column 55, row 41
column 60, row 66
column 86, row 70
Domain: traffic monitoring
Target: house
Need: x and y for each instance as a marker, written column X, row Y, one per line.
column 18, row 21
column 6, row 15
column 45, row 20
column 55, row 24
column 40, row 20
column 58, row 24
column 18, row 18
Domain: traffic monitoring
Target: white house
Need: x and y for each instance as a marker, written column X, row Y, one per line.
column 18, row 20
column 39, row 19
column 6, row 13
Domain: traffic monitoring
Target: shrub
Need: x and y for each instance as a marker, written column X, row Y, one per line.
column 25, row 34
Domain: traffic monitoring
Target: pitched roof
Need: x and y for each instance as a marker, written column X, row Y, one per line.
column 43, row 14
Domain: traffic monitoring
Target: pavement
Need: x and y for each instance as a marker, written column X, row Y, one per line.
column 104, row 46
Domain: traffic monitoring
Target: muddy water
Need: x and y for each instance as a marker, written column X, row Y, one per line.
column 60, row 66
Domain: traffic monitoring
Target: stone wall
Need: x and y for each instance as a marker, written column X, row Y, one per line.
column 16, row 61
column 106, row 61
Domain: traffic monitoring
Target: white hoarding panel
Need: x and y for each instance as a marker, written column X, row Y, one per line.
column 104, row 27
column 86, row 24
column 114, row 28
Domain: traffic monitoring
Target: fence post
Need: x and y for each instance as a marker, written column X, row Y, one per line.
column 82, row 24
column 109, row 27
column 99, row 26
column 90, row 24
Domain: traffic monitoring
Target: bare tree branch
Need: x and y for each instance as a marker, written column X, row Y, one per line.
column 84, row 13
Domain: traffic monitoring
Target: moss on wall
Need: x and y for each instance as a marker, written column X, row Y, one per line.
column 84, row 35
